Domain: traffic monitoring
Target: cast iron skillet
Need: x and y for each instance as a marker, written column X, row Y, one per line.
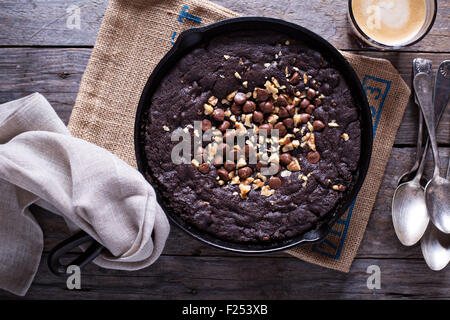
column 186, row 41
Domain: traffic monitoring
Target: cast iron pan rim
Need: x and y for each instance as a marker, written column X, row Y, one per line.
column 350, row 77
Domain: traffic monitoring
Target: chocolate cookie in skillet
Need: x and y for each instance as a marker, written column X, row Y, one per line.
column 250, row 80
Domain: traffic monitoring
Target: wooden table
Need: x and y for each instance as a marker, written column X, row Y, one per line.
column 39, row 53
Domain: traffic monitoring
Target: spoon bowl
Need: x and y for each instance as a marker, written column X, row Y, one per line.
column 437, row 196
column 435, row 247
column 409, row 212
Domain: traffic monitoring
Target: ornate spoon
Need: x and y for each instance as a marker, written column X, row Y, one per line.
column 419, row 65
column 438, row 188
column 435, row 244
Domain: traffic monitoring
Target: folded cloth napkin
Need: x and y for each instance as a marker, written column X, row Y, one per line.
column 90, row 187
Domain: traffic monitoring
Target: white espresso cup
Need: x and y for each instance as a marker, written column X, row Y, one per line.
column 391, row 24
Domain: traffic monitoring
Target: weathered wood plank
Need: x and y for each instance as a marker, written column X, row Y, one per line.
column 56, row 73
column 379, row 240
column 174, row 277
column 43, row 22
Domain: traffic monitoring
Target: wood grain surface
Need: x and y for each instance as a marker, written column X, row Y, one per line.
column 39, row 53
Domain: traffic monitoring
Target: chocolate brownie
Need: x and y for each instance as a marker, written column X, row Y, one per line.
column 253, row 81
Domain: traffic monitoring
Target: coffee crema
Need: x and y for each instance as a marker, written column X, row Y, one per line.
column 390, row 22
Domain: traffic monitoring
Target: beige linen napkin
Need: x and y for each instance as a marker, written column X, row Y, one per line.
column 89, row 186
column 135, row 35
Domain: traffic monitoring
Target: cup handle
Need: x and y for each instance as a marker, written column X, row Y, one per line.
column 84, row 258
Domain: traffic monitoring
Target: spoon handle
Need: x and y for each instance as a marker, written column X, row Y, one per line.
column 448, row 169
column 440, row 99
column 420, row 65
column 424, row 93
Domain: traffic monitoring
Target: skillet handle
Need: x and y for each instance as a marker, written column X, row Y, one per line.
column 53, row 260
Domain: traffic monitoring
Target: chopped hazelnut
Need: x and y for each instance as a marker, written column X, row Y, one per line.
column 266, row 191
column 208, row 109
column 270, row 87
column 195, row 163
column 213, row 100
column 333, row 124
column 338, row 187
column 235, row 180
column 293, row 166
column 305, row 78
column 285, row 173
column 241, row 163
column 231, row 95
column 257, row 183
column 245, row 189
column 287, row 147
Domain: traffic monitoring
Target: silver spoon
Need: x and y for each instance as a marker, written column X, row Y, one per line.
column 409, row 212
column 435, row 244
column 437, row 189
column 419, row 65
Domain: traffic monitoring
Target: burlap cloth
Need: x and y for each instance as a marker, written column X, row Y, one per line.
column 135, row 35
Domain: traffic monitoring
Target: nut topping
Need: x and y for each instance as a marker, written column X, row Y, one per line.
column 291, row 110
column 318, row 125
column 294, row 166
column 240, row 98
column 281, row 129
column 218, row 114
column 338, row 187
column 274, row 107
column 283, row 112
column 261, row 94
column 289, row 123
column 304, row 103
column 310, row 109
column 267, row 107
column 229, row 165
column 285, row 159
column 223, row 174
column 266, row 191
column 204, row 168
column 295, row 79
column 282, row 102
column 224, row 126
column 245, row 189
column 313, row 156
column 206, row 125
column 310, row 94
column 236, row 109
column 275, row 183
column 213, row 100
column 244, row 172
column 249, row 107
column 267, row 126
column 258, row 117
column 208, row 109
